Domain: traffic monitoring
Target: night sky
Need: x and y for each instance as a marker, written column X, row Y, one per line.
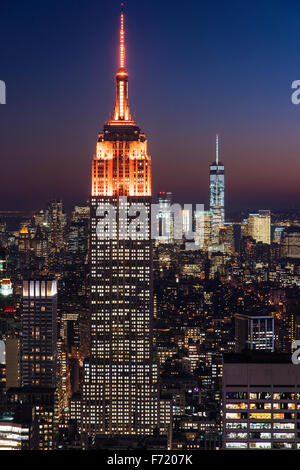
column 195, row 68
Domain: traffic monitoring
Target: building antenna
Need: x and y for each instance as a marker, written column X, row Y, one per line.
column 122, row 39
column 217, row 149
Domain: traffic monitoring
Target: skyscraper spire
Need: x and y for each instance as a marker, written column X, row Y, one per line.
column 217, row 149
column 122, row 112
column 122, row 39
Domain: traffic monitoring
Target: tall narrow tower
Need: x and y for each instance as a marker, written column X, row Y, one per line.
column 217, row 195
column 120, row 380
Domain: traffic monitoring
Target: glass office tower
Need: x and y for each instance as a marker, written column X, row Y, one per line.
column 217, row 195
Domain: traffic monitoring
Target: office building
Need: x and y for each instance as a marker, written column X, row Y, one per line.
column 14, row 435
column 36, row 406
column 290, row 243
column 261, row 396
column 254, row 332
column 259, row 226
column 39, row 332
column 217, row 195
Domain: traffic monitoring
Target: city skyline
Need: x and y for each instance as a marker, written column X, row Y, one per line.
column 134, row 323
column 57, row 100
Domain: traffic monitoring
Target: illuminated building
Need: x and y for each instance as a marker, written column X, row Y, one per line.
column 75, row 408
column 217, row 195
column 187, row 223
column 6, row 287
column 39, row 405
column 165, row 350
column 290, row 243
column 254, row 332
column 80, row 213
column 165, row 218
column 226, row 238
column 3, row 262
column 278, row 234
column 78, row 235
column 119, row 391
column 41, row 218
column 39, row 332
column 14, row 435
column 57, row 222
column 39, row 243
column 259, row 226
column 63, row 379
column 203, row 229
column 24, row 239
column 261, row 397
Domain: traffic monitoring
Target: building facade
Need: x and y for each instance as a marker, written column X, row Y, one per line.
column 254, row 332
column 259, row 226
column 290, row 243
column 261, row 396
column 39, row 332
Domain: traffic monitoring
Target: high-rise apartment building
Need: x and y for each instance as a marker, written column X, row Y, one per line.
column 261, row 399
column 39, row 332
column 120, row 390
column 217, row 195
column 259, row 226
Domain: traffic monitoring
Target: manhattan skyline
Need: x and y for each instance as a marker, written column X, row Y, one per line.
column 242, row 62
column 131, row 322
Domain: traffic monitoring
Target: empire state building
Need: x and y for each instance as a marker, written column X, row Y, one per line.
column 120, row 384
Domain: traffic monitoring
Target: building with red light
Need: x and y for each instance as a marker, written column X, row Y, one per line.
column 120, row 385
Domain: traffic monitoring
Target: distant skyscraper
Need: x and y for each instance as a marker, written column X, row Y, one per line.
column 57, row 222
column 277, row 234
column 120, row 392
column 39, row 332
column 290, row 243
column 226, row 238
column 24, row 239
column 39, row 243
column 187, row 223
column 14, row 435
column 165, row 217
column 217, row 195
column 259, row 226
column 203, row 229
column 37, row 405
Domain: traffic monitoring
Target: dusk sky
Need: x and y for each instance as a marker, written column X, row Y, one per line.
column 195, row 68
